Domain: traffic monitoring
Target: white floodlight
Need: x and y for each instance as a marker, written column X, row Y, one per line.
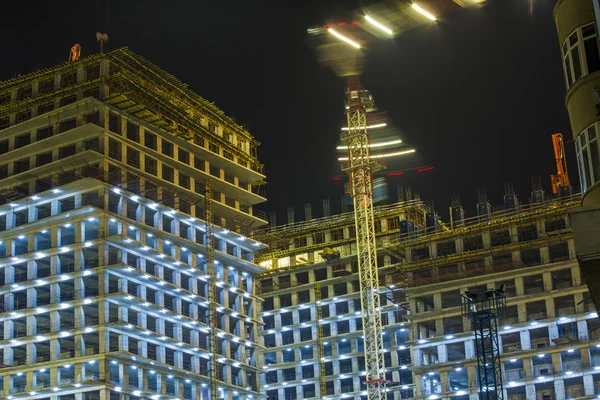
column 344, row 38
column 423, row 12
column 378, row 25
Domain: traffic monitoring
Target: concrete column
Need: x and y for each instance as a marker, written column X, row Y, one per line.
column 559, row 388
column 525, row 340
column 519, row 286
column 588, row 384
column 552, row 333
column 556, row 362
column 442, row 353
column 585, row 357
column 469, row 349
column 528, row 367
column 437, row 301
column 545, row 255
column 576, row 275
column 547, row 279
column 530, row 392
column 582, row 329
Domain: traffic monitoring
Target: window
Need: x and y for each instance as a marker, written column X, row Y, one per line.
column 184, row 181
column 44, row 158
column 588, row 158
column 21, row 165
column 150, row 140
column 150, row 165
column 133, row 132
column 184, row 156
column 44, row 133
column 66, row 151
column 22, row 140
column 580, row 54
column 167, row 173
column 133, row 157
column 167, row 148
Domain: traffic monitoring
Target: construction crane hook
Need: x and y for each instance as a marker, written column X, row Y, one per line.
column 75, row 53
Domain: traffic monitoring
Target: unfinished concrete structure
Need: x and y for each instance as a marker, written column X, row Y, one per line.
column 103, row 288
column 549, row 337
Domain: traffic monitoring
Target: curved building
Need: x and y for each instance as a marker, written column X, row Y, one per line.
column 577, row 26
column 577, row 34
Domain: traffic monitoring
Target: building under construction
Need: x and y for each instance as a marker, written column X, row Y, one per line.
column 127, row 243
column 126, row 207
column 548, row 336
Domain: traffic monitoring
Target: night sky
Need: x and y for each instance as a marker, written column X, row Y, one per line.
column 478, row 94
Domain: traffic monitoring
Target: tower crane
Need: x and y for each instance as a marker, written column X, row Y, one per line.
column 360, row 169
column 212, row 290
column 562, row 176
column 386, row 19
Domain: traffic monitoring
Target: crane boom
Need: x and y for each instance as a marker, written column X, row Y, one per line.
column 361, row 188
column 212, row 290
column 562, row 176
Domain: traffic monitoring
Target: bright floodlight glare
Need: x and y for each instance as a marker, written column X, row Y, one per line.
column 423, row 12
column 372, row 145
column 344, row 38
column 378, row 25
column 400, row 153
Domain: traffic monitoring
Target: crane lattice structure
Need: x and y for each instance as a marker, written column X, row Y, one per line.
column 361, row 188
column 212, row 290
column 484, row 314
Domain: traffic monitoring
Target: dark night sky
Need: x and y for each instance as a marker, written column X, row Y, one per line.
column 479, row 93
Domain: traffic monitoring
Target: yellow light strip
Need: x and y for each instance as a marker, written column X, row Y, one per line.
column 378, row 25
column 370, row 126
column 375, row 144
column 344, row 38
column 423, row 12
column 400, row 153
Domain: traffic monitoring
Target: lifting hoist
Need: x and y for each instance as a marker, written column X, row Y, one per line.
column 212, row 290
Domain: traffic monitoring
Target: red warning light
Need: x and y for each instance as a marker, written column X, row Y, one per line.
column 341, row 24
column 337, row 178
column 395, row 173
column 425, row 169
column 355, row 22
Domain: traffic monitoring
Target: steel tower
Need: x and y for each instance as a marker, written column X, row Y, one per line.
column 360, row 168
column 484, row 314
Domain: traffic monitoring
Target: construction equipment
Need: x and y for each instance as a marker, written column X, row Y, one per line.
column 360, row 169
column 484, row 310
column 330, row 255
column 320, row 349
column 212, row 290
column 75, row 53
column 562, row 176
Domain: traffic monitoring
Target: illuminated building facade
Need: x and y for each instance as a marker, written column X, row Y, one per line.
column 103, row 284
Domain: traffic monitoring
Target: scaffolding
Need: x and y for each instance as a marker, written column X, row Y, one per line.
column 279, row 239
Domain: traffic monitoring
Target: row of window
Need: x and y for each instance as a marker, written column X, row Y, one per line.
column 588, row 156
column 580, row 54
